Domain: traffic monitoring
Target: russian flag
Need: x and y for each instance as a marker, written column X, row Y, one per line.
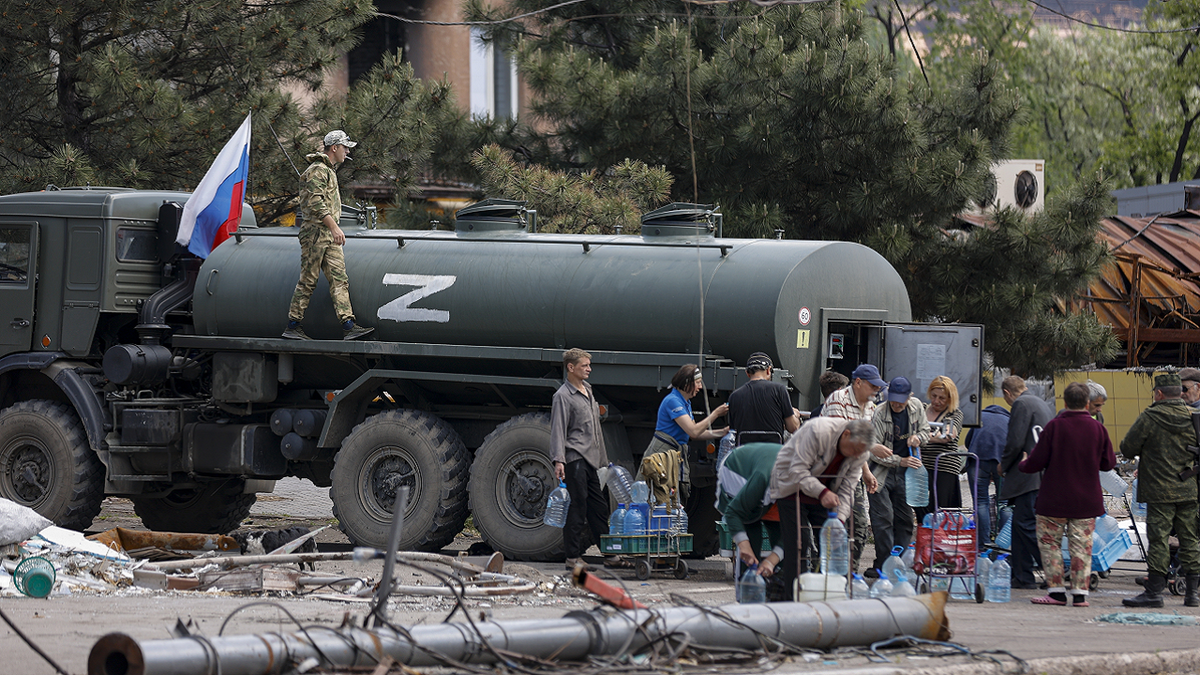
column 215, row 208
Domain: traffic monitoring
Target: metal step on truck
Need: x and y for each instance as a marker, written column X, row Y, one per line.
column 130, row 367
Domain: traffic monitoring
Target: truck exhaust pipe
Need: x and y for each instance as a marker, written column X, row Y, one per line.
column 575, row 636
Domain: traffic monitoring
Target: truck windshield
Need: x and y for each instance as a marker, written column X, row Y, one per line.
column 137, row 245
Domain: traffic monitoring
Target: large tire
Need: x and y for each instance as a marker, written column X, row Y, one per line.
column 47, row 464
column 510, row 482
column 401, row 447
column 214, row 508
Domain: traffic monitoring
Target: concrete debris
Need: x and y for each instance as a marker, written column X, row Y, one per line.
column 132, row 562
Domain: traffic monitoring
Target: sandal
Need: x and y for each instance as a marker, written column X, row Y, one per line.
column 1080, row 603
column 1047, row 600
column 618, row 562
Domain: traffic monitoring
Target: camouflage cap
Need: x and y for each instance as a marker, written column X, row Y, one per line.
column 1167, row 380
column 338, row 137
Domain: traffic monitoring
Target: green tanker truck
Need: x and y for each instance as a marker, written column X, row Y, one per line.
column 132, row 368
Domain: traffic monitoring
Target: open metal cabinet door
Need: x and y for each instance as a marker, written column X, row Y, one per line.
column 923, row 351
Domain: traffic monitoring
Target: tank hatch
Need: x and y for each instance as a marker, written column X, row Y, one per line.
column 681, row 219
column 491, row 216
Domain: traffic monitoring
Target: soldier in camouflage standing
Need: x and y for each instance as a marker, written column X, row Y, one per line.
column 1160, row 437
column 321, row 239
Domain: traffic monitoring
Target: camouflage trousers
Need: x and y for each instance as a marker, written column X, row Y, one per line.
column 862, row 526
column 318, row 253
column 1079, row 544
column 1161, row 517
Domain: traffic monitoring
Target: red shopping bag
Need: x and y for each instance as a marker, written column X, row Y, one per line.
column 948, row 548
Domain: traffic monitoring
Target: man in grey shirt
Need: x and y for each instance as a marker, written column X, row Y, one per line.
column 577, row 451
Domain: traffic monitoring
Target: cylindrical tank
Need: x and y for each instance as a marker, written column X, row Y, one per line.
column 618, row 293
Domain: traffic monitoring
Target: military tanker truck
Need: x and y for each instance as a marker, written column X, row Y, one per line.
column 132, row 368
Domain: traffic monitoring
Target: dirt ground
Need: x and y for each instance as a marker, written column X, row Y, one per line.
column 67, row 626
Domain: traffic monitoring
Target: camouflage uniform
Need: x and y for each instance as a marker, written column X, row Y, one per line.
column 319, row 197
column 1159, row 437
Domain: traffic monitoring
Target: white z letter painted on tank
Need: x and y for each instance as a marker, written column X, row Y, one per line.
column 401, row 308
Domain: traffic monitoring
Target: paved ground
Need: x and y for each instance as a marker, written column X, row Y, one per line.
column 68, row 626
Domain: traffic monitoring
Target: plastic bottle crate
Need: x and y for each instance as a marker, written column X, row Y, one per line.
column 1107, row 556
column 646, row 543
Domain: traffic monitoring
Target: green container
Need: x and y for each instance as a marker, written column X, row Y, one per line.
column 34, row 576
column 726, row 538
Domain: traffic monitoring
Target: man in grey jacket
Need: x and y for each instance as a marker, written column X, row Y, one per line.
column 1029, row 412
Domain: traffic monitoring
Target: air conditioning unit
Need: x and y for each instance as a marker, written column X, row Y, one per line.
column 1020, row 183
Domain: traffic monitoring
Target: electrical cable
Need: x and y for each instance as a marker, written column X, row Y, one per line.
column 283, row 609
column 1090, row 24
column 31, row 643
column 483, row 23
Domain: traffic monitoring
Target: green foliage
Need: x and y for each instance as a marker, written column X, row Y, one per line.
column 574, row 202
column 144, row 93
column 801, row 119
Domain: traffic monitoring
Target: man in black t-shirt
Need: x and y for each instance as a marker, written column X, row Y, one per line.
column 760, row 409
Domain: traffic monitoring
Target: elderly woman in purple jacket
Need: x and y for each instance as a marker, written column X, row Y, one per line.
column 1072, row 451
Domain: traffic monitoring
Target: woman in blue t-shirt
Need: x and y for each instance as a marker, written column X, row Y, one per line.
column 675, row 412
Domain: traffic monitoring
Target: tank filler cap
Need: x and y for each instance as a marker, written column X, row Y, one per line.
column 491, row 216
column 681, row 219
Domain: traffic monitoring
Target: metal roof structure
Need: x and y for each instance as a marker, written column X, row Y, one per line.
column 1150, row 294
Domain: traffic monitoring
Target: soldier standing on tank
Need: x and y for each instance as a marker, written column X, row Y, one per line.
column 577, row 451
column 321, row 240
column 1160, row 438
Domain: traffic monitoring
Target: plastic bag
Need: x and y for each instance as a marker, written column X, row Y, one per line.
column 18, row 523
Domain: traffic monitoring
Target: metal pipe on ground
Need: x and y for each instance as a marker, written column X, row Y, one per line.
column 822, row 625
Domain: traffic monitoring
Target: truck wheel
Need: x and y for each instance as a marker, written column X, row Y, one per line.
column 47, row 464
column 394, row 448
column 213, row 508
column 510, row 482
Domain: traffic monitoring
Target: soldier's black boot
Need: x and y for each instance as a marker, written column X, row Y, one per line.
column 1152, row 596
column 1191, row 593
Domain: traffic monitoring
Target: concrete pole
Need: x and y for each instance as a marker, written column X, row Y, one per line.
column 821, row 625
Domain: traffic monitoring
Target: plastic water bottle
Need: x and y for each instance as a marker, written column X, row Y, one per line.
column 640, row 492
column 894, row 563
column 752, row 588
column 725, row 447
column 1138, row 509
column 616, row 522
column 835, row 547
column 1107, row 527
column 999, row 588
column 620, row 483
column 1004, row 539
column 910, row 554
column 859, row 588
column 556, row 506
column 916, row 484
column 961, row 588
column 882, row 587
column 983, row 566
column 635, row 523
column 902, row 589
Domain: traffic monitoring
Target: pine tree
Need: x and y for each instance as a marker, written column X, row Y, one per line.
column 144, row 93
column 788, row 118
